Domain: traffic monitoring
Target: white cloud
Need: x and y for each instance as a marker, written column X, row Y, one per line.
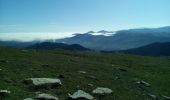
column 34, row 36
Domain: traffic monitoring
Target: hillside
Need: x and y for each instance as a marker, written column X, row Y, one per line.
column 119, row 72
column 52, row 45
column 154, row 49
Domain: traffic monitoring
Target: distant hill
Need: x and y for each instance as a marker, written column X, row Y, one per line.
column 51, row 45
column 120, row 40
column 155, row 49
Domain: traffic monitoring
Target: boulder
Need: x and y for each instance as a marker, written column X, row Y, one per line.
column 80, row 95
column 102, row 91
column 82, row 72
column 166, row 97
column 4, row 92
column 43, row 82
column 143, row 83
column 44, row 96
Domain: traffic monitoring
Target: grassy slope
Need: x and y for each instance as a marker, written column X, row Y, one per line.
column 155, row 71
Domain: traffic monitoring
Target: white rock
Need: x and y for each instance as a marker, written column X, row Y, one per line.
column 44, row 96
column 143, row 83
column 81, row 95
column 4, row 92
column 166, row 97
column 82, row 72
column 43, row 81
column 102, row 91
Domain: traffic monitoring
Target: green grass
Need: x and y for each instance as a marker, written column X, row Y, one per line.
column 21, row 65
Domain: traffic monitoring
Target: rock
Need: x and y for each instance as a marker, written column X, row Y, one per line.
column 152, row 96
column 166, row 97
column 80, row 95
column 4, row 92
column 28, row 99
column 91, row 77
column 143, row 83
column 90, row 85
column 102, row 91
column 43, row 82
column 82, row 72
column 44, row 96
column 0, row 69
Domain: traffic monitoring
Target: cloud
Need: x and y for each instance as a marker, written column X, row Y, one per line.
column 30, row 36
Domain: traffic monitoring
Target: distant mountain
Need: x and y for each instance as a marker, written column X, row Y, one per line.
column 16, row 44
column 155, row 49
column 120, row 40
column 51, row 45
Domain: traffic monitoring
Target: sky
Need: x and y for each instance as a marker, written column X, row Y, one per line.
column 43, row 19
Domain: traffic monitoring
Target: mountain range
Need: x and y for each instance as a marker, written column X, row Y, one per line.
column 107, row 40
column 120, row 40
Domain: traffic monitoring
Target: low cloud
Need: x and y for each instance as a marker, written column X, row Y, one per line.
column 31, row 36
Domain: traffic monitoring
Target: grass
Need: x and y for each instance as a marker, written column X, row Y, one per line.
column 27, row 64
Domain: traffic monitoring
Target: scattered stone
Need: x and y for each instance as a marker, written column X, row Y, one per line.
column 143, row 83
column 91, row 77
column 152, row 96
column 82, row 72
column 90, row 85
column 4, row 92
column 166, row 97
column 43, row 82
column 28, row 99
column 80, row 95
column 102, row 91
column 44, row 96
column 45, row 65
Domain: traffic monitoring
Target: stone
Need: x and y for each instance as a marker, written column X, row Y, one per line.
column 82, row 72
column 4, row 92
column 91, row 77
column 28, row 99
column 44, row 96
column 80, row 95
column 166, row 97
column 102, row 91
column 91, row 85
column 0, row 69
column 43, row 82
column 143, row 83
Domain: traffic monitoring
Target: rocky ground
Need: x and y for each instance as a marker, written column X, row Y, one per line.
column 68, row 75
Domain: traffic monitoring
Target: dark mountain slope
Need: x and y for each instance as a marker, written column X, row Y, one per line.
column 155, row 49
column 50, row 45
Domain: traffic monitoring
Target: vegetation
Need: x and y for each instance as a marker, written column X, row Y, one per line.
column 18, row 64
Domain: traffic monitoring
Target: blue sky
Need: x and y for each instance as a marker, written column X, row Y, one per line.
column 69, row 16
